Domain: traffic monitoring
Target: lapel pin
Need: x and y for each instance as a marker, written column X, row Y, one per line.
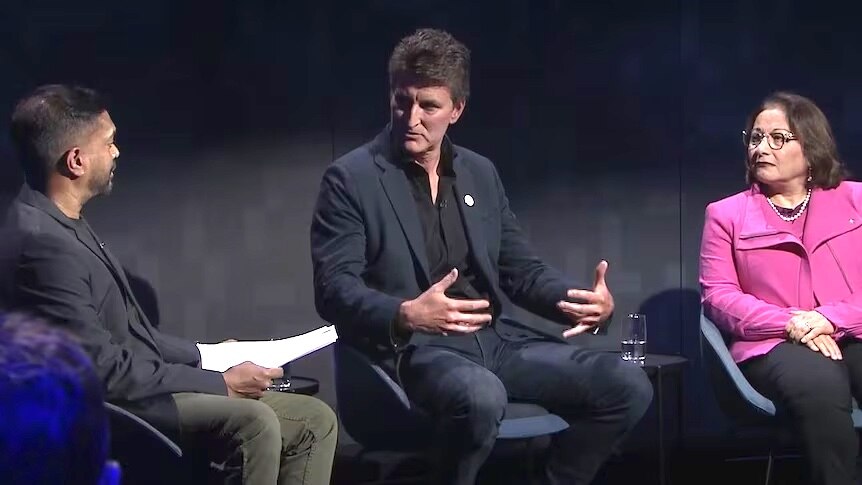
column 468, row 199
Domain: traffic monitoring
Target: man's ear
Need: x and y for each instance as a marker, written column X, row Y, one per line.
column 457, row 111
column 73, row 163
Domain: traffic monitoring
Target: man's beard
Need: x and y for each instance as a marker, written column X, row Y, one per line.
column 102, row 186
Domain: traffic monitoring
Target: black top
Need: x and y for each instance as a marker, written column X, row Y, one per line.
column 788, row 211
column 85, row 231
column 443, row 228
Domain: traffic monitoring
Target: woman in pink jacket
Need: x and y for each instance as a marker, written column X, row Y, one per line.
column 781, row 275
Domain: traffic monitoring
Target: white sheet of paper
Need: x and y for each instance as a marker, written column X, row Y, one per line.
column 265, row 353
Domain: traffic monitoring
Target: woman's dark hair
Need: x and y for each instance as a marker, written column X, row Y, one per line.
column 811, row 127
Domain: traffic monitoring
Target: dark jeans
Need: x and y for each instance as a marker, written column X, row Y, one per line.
column 815, row 392
column 465, row 386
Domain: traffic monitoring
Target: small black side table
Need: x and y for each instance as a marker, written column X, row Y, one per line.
column 298, row 385
column 657, row 365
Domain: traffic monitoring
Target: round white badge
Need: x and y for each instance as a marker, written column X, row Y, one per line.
column 468, row 199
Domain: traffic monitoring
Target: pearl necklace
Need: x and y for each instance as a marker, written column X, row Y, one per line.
column 794, row 216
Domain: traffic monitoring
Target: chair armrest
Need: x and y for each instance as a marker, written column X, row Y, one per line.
column 712, row 336
column 122, row 419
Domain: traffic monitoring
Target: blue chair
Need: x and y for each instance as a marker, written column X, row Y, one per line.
column 376, row 412
column 736, row 397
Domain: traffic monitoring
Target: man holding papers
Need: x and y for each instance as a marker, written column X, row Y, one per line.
column 54, row 265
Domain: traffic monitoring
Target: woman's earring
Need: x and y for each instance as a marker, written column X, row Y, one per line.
column 809, row 173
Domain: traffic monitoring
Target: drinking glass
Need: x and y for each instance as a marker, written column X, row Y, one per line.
column 633, row 336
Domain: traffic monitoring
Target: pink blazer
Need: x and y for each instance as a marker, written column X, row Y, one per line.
column 753, row 274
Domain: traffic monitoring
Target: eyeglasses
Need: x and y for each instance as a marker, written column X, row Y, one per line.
column 776, row 139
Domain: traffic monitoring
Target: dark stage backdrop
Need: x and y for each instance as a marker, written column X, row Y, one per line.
column 612, row 126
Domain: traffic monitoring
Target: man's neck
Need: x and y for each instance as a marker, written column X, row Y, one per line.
column 429, row 160
column 66, row 198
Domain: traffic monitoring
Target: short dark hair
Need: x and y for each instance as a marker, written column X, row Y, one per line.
column 54, row 426
column 46, row 122
column 810, row 125
column 432, row 57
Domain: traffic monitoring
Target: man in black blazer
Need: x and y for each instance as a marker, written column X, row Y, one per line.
column 53, row 264
column 417, row 260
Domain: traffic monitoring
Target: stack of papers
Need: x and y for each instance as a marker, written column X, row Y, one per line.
column 265, row 353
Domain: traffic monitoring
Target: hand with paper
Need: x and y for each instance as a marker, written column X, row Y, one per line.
column 249, row 380
column 269, row 354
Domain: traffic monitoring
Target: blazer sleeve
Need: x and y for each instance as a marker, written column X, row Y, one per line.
column 52, row 282
column 174, row 349
column 338, row 257
column 737, row 313
column 527, row 280
column 845, row 315
column 177, row 350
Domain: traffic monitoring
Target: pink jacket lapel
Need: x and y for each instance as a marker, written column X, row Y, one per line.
column 830, row 214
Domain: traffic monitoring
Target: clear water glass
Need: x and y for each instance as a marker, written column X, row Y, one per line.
column 633, row 337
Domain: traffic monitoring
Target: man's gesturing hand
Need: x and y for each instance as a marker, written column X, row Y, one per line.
column 249, row 380
column 434, row 312
column 594, row 307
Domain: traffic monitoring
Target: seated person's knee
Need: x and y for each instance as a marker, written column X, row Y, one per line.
column 486, row 397
column 322, row 420
column 636, row 390
column 257, row 420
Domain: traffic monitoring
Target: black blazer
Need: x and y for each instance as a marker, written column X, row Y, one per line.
column 53, row 268
column 369, row 254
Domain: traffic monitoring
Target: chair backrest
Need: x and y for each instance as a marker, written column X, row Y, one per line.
column 373, row 408
column 736, row 397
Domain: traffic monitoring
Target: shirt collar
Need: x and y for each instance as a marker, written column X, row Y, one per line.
column 447, row 155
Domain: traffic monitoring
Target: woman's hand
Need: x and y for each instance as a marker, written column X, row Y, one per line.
column 814, row 331
column 826, row 345
column 805, row 326
column 818, row 324
column 797, row 327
